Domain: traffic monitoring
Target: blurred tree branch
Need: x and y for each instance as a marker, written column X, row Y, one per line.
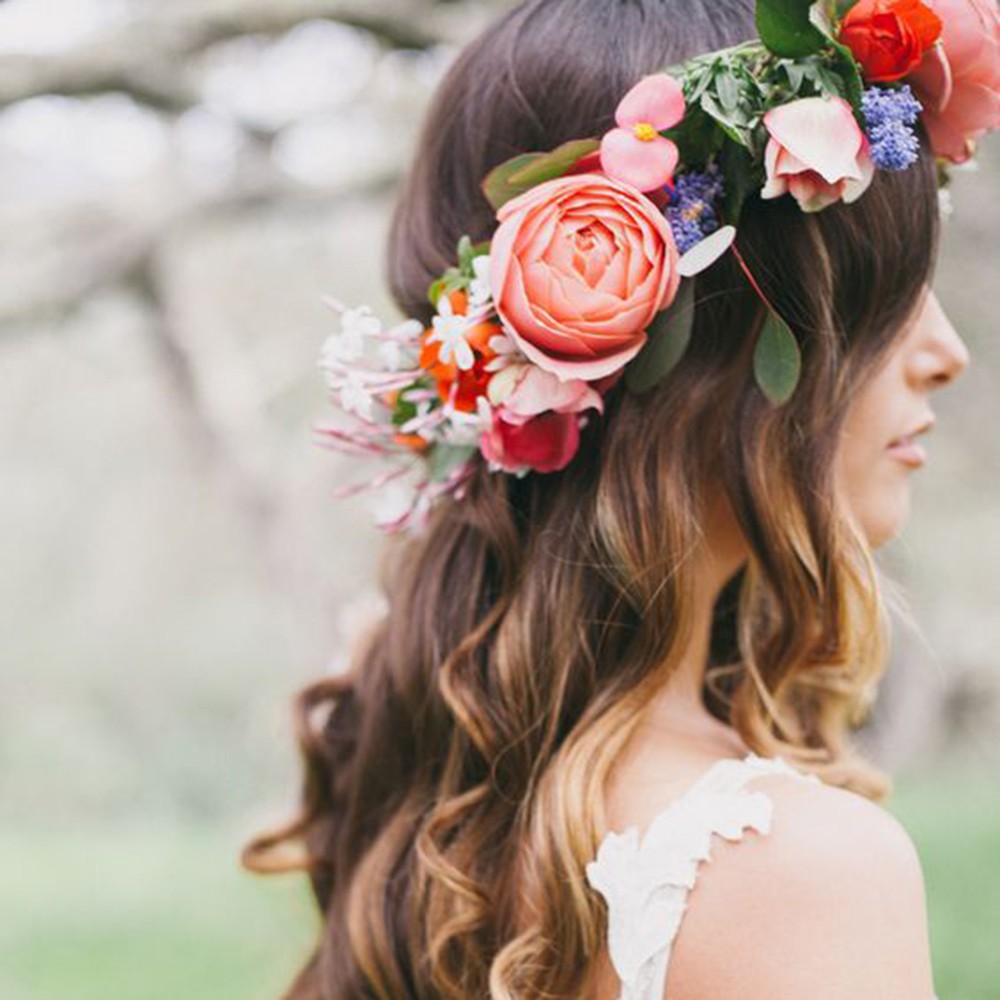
column 144, row 58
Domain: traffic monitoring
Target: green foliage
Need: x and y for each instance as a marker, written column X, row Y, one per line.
column 405, row 409
column 777, row 361
column 457, row 278
column 513, row 177
column 743, row 176
column 786, row 29
column 498, row 186
column 444, row 459
column 668, row 336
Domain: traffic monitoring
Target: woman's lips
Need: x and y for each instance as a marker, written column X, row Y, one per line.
column 908, row 451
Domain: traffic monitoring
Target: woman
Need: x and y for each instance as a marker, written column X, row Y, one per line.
column 689, row 601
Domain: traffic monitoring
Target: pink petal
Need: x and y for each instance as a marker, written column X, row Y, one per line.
column 821, row 133
column 645, row 165
column 567, row 369
column 657, row 99
column 932, row 79
column 854, row 189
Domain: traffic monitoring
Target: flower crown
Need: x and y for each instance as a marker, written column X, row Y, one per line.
column 586, row 278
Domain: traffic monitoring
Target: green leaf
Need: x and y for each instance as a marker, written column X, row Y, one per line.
column 796, row 73
column 436, row 290
column 520, row 174
column 777, row 361
column 741, row 173
column 724, row 121
column 668, row 336
column 846, row 68
column 465, row 254
column 728, row 89
column 551, row 165
column 498, row 187
column 785, row 28
column 444, row 459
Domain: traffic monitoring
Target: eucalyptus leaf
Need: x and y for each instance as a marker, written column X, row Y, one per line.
column 549, row 166
column 498, row 186
column 444, row 459
column 777, row 361
column 668, row 337
column 786, row 29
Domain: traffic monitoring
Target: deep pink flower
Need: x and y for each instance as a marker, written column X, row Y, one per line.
column 635, row 152
column 544, row 443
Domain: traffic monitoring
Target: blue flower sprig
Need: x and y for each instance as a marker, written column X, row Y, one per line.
column 890, row 113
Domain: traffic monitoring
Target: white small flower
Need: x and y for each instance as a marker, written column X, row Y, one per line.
column 450, row 332
column 355, row 397
column 389, row 355
column 360, row 322
column 479, row 288
column 349, row 344
column 506, row 351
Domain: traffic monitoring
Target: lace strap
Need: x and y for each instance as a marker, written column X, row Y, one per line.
column 645, row 882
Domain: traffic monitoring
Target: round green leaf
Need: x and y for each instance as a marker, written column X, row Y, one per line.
column 777, row 361
column 668, row 337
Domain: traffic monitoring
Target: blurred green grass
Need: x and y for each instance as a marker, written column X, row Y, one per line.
column 162, row 913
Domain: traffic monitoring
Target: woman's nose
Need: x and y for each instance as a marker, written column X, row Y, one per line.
column 941, row 354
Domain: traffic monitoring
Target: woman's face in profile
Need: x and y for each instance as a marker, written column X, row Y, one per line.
column 882, row 443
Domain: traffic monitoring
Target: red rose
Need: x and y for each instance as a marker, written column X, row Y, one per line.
column 889, row 37
column 545, row 443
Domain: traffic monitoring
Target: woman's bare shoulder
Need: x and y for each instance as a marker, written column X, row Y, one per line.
column 829, row 904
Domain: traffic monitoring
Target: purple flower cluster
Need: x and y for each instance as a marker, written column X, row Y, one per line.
column 692, row 206
column 890, row 113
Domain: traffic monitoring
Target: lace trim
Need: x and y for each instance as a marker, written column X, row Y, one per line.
column 646, row 881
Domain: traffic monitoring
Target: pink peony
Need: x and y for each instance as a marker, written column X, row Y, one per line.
column 958, row 81
column 579, row 266
column 816, row 152
column 545, row 443
column 635, row 152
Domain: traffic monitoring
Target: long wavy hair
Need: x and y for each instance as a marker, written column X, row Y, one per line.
column 454, row 776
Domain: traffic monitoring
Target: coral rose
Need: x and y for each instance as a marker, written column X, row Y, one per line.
column 958, row 82
column 579, row 267
column 889, row 37
column 816, row 152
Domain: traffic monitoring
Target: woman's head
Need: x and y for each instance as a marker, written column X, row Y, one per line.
column 454, row 792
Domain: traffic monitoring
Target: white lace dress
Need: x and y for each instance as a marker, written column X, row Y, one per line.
column 646, row 882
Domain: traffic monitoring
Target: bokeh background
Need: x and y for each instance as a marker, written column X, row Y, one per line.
column 180, row 184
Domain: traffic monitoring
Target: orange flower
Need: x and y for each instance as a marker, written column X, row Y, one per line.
column 889, row 37
column 412, row 441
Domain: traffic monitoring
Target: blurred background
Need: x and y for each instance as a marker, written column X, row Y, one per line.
column 180, row 184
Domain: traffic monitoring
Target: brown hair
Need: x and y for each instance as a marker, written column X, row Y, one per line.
column 453, row 783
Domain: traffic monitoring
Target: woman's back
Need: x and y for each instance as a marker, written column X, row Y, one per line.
column 746, row 877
